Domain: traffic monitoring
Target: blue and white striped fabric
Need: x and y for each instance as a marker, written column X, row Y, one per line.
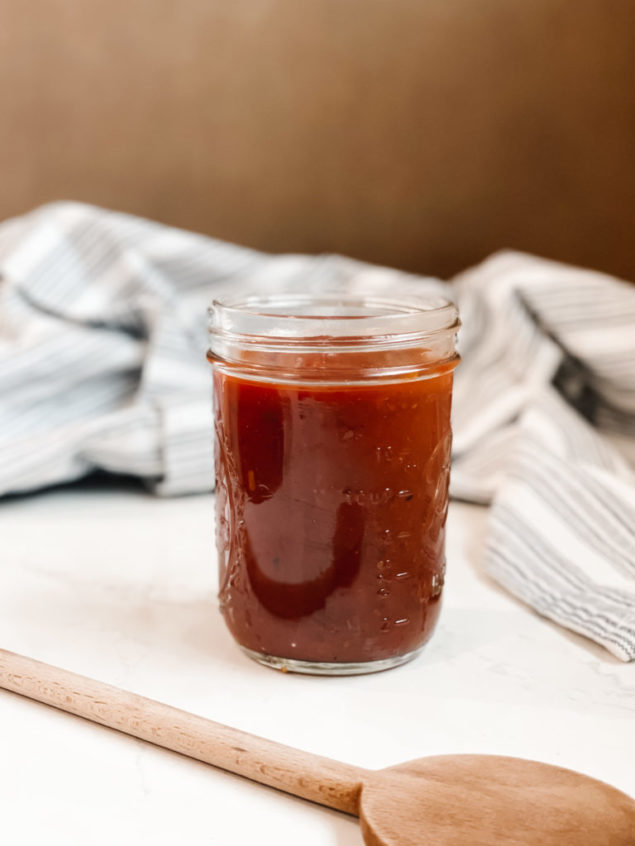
column 102, row 342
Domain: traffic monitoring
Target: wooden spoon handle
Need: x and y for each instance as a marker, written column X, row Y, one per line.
column 300, row 773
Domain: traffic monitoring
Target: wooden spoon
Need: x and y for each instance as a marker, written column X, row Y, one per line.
column 471, row 800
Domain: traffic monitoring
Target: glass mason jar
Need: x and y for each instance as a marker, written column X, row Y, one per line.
column 332, row 448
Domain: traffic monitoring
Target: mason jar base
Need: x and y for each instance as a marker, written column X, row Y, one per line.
column 324, row 668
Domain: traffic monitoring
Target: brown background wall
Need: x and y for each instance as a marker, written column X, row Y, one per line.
column 419, row 133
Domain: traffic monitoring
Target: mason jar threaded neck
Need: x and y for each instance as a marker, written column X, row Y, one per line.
column 333, row 337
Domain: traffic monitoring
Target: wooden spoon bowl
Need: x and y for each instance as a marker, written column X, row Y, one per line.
column 453, row 800
column 482, row 800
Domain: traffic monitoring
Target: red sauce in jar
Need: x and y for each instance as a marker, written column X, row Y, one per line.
column 331, row 511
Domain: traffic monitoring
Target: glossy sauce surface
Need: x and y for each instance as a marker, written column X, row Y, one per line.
column 331, row 508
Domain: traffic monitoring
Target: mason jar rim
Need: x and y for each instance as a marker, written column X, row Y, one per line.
column 331, row 316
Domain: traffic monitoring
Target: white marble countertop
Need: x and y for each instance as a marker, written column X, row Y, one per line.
column 115, row 584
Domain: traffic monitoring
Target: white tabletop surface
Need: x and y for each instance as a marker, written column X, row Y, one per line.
column 115, row 584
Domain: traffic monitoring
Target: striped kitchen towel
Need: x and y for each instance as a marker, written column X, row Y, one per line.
column 545, row 432
column 102, row 341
